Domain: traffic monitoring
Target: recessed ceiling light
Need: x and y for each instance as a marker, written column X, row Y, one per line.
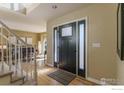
column 54, row 6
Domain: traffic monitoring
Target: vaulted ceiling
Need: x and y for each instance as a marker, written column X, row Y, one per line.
column 37, row 15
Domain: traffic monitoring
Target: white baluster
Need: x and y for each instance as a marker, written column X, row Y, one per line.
column 35, row 66
column 10, row 55
column 19, row 62
column 15, row 58
column 21, row 59
column 7, row 52
column 2, row 52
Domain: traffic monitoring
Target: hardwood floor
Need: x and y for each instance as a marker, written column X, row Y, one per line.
column 44, row 79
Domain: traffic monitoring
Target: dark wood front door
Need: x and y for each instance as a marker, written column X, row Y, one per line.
column 67, row 48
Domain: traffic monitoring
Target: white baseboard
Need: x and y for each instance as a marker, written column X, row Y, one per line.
column 51, row 65
column 94, row 80
column 102, row 81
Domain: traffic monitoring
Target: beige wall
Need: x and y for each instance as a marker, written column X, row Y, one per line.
column 101, row 29
column 120, row 71
column 35, row 36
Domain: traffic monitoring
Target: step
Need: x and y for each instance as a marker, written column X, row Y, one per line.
column 18, row 80
column 5, row 77
column 2, row 74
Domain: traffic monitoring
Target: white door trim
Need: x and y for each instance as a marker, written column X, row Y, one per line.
column 86, row 40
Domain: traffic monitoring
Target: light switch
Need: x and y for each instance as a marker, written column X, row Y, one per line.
column 96, row 45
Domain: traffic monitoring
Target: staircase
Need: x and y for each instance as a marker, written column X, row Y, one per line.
column 17, row 59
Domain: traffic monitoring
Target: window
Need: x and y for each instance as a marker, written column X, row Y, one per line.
column 29, row 40
column 81, row 46
column 55, row 45
column 67, row 31
column 15, row 6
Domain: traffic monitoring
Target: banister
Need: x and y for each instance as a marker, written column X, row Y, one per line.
column 16, row 57
column 9, row 30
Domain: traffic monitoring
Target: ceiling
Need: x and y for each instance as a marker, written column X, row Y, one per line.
column 37, row 15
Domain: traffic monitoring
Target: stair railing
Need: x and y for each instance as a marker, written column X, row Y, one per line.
column 16, row 55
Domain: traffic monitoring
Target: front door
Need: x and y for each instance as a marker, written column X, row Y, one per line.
column 67, row 48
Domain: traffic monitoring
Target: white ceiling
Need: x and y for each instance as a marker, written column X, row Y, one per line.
column 36, row 18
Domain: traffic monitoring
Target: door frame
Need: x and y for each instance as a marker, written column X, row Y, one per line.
column 86, row 42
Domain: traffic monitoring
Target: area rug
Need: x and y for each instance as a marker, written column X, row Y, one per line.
column 61, row 76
